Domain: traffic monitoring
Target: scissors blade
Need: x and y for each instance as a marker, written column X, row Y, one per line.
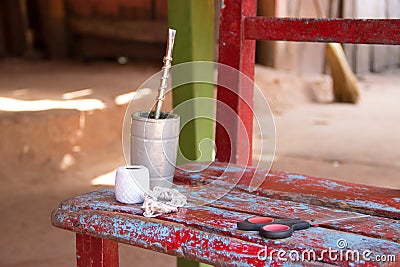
column 340, row 219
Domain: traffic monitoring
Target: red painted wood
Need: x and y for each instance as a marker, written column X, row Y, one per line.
column 234, row 143
column 239, row 28
column 299, row 188
column 360, row 31
column 96, row 252
column 242, row 202
column 209, row 234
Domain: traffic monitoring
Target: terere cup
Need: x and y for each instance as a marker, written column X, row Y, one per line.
column 154, row 144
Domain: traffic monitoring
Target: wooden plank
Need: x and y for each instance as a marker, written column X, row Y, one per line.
column 211, row 237
column 311, row 56
column 124, row 30
column 104, row 8
column 134, row 10
column 93, row 251
column 88, row 47
column 234, row 131
column 193, row 21
column 299, row 188
column 266, row 49
column 169, row 238
column 53, row 19
column 245, row 203
column 160, row 9
column 367, row 31
column 77, row 8
column 384, row 228
column 298, row 57
column 358, row 55
column 379, row 56
column 2, row 39
column 347, row 10
column 15, row 26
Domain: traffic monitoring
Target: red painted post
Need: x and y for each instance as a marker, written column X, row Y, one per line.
column 96, row 252
column 234, row 144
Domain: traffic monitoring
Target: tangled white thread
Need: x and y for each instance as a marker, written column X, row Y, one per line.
column 162, row 200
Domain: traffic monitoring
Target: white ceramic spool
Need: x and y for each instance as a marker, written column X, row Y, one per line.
column 131, row 183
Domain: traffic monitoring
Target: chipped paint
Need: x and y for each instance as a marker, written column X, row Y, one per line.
column 296, row 177
column 333, row 185
column 364, row 31
column 207, row 238
column 209, row 233
column 228, row 168
column 195, row 176
column 372, row 205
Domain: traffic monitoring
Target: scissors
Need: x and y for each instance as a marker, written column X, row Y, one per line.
column 271, row 228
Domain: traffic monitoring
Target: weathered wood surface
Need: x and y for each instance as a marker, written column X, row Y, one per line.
column 377, row 201
column 88, row 47
column 199, row 233
column 209, row 234
column 236, row 201
column 233, row 132
column 359, row 31
column 125, row 30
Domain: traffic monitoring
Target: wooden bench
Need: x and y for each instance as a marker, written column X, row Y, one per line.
column 209, row 234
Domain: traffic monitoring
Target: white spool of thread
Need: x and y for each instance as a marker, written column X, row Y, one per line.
column 131, row 183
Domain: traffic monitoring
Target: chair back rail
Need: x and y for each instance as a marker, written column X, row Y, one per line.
column 240, row 28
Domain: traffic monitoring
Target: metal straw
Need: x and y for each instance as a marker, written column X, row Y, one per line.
column 165, row 69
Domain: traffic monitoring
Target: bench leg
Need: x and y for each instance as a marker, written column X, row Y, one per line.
column 96, row 252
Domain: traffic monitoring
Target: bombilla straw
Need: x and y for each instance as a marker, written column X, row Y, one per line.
column 165, row 73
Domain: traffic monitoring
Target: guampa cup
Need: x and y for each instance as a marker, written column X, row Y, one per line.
column 154, row 144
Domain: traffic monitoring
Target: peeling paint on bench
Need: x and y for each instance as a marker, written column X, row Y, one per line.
column 208, row 233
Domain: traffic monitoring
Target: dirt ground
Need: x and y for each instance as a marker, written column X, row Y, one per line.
column 50, row 155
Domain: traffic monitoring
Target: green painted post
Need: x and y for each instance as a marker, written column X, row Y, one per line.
column 193, row 21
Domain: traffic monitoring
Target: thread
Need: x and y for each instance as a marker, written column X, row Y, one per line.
column 131, row 184
column 162, row 200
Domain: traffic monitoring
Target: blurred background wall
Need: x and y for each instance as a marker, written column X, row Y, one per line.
column 309, row 57
column 135, row 28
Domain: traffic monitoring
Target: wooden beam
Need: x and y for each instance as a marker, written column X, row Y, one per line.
column 2, row 39
column 90, row 47
column 234, row 132
column 124, row 30
column 266, row 50
column 15, row 27
column 194, row 23
column 53, row 18
column 357, row 31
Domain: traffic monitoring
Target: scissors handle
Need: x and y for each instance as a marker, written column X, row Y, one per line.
column 255, row 223
column 283, row 229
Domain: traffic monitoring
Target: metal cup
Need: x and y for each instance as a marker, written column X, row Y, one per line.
column 154, row 144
